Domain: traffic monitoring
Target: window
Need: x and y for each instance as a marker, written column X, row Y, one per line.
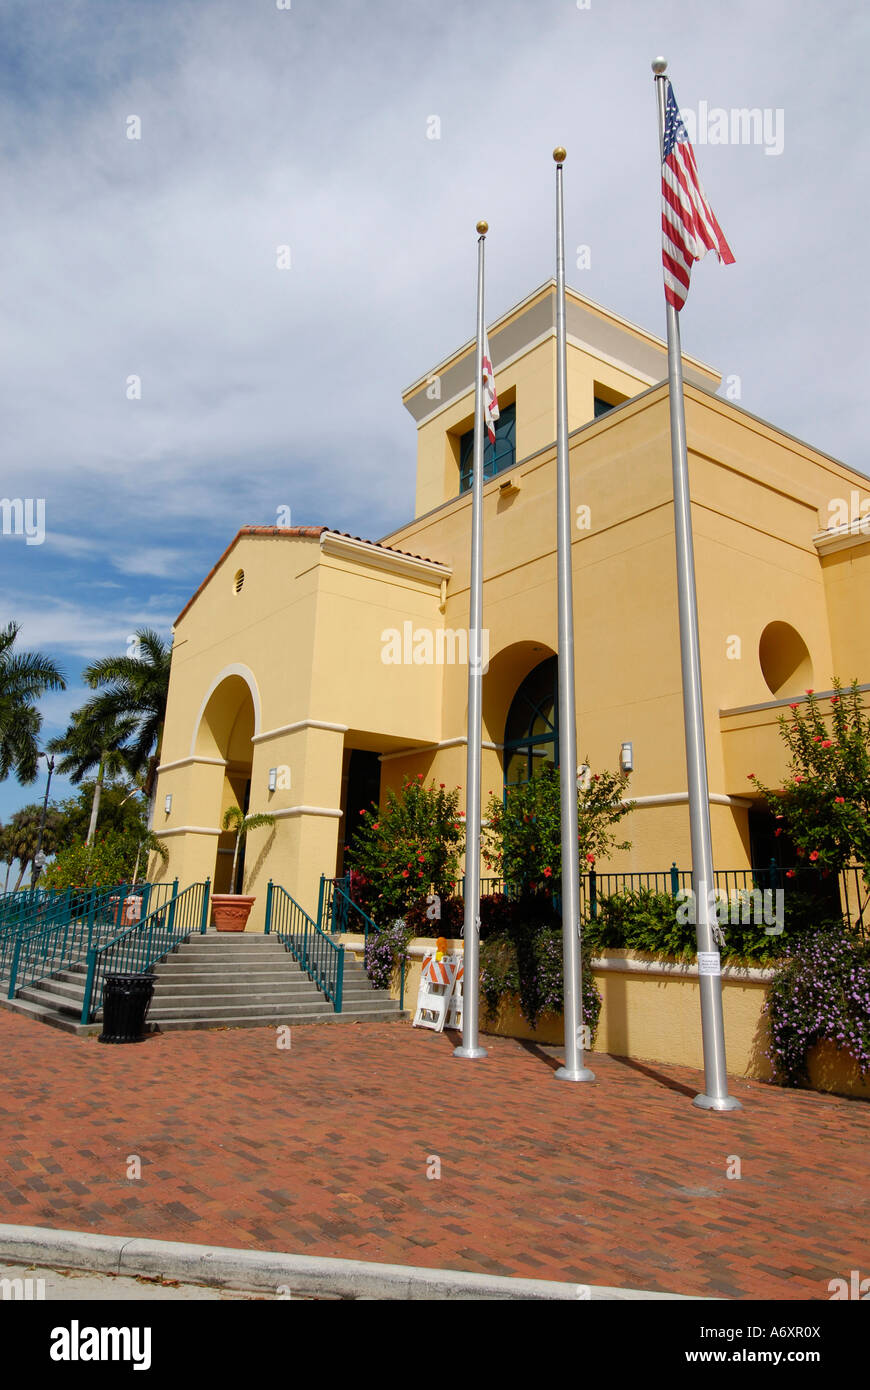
column 604, row 399
column 531, row 736
column 496, row 457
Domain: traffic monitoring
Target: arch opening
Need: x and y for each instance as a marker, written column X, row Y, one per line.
column 785, row 660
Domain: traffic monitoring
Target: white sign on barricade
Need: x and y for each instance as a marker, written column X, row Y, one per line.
column 436, row 987
column 132, row 910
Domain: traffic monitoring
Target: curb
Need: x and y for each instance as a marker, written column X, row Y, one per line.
column 265, row 1271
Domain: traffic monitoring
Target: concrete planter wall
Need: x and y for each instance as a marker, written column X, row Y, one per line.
column 651, row 1010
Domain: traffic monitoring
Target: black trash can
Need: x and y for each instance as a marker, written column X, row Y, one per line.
column 125, row 1004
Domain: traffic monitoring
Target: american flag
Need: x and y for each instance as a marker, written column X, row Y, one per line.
column 490, row 399
column 689, row 228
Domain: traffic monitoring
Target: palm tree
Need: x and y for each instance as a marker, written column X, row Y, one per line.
column 236, row 820
column 135, row 688
column 6, row 855
column 87, row 745
column 24, row 678
column 21, row 836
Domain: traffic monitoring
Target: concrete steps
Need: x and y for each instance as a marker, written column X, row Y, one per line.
column 218, row 980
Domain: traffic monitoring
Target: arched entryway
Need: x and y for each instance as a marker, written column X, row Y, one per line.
column 226, row 727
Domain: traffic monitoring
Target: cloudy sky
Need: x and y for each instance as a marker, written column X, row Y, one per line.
column 309, row 127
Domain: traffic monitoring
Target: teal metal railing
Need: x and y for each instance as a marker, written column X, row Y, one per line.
column 319, row 956
column 59, row 931
column 330, row 906
column 31, row 908
column 134, row 950
column 855, row 898
column 20, row 901
column 337, row 912
column 335, row 895
column 355, row 920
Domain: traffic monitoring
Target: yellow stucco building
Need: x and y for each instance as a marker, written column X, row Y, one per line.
column 312, row 669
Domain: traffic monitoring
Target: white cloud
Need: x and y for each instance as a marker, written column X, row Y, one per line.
column 75, row 630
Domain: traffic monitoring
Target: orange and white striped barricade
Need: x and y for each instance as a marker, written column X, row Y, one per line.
column 454, row 1006
column 132, row 910
column 436, row 987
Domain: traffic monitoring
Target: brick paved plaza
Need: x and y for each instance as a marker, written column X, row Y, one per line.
column 324, row 1149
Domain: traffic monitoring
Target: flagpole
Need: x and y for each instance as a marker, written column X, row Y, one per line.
column 715, row 1095
column 471, row 929
column 573, row 1070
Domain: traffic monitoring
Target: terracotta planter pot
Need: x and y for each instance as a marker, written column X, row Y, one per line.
column 231, row 910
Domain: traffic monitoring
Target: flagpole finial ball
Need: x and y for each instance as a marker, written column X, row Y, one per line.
column 659, row 66
column 483, row 227
column 560, row 154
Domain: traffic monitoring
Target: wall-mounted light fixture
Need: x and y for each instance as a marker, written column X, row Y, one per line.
column 626, row 757
column 273, row 778
column 167, row 805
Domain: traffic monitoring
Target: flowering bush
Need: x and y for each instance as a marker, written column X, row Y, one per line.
column 385, row 952
column 821, row 993
column 524, row 839
column 409, row 848
column 529, row 963
column 825, row 804
column 110, row 859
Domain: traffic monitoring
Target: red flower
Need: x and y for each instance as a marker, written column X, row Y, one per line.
column 790, row 873
column 750, row 776
column 441, row 784
column 826, row 743
column 814, row 856
column 835, row 699
column 792, row 706
column 404, row 873
column 377, row 825
column 809, row 692
column 419, row 777
column 421, row 857
column 840, row 800
column 591, row 858
column 799, row 779
column 548, row 872
column 778, row 830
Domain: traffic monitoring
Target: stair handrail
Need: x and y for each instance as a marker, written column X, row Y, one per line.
column 318, row 955
column 59, row 931
column 134, row 950
column 368, row 924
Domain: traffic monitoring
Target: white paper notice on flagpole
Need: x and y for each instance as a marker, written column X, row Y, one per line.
column 708, row 963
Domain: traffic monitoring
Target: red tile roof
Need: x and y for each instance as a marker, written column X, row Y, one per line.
column 297, row 532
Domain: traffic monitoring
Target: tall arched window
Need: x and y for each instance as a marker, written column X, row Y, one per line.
column 531, row 736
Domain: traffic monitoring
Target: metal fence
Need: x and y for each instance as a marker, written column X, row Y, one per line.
column 60, row 928
column 321, row 958
column 336, row 908
column 134, row 950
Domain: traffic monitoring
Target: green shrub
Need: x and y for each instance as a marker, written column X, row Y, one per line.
column 641, row 920
column 110, row 859
column 528, row 962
